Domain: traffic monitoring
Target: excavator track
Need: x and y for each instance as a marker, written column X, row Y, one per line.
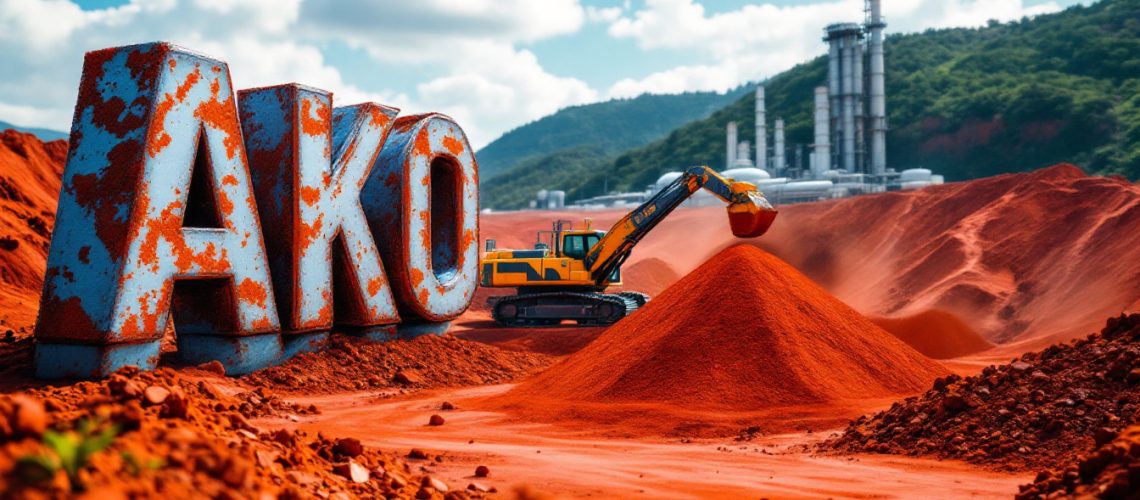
column 552, row 308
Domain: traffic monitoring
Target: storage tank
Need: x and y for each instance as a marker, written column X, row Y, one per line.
column 915, row 174
column 665, row 179
column 753, row 175
column 556, row 199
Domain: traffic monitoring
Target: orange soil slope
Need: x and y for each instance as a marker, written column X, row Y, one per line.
column 30, row 173
column 1043, row 256
column 744, row 332
column 936, row 334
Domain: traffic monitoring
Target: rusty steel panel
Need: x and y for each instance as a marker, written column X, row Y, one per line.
column 422, row 201
column 365, row 220
column 144, row 115
column 310, row 162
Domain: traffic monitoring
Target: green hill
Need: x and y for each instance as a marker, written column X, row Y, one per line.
column 965, row 102
column 612, row 127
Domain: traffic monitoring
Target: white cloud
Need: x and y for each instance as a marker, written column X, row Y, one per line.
column 758, row 41
column 467, row 48
column 603, row 14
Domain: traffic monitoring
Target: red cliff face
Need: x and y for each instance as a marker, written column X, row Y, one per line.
column 30, row 172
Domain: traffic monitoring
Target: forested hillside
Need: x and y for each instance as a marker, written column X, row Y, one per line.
column 965, row 102
column 611, row 127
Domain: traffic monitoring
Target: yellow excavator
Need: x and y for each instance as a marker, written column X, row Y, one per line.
column 565, row 276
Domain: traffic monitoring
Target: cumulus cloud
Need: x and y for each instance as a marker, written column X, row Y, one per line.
column 470, row 47
column 758, row 41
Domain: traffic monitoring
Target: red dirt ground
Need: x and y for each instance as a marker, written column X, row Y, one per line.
column 743, row 333
column 30, row 173
column 936, row 334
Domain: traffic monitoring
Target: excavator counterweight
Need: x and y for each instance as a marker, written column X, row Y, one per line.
column 565, row 276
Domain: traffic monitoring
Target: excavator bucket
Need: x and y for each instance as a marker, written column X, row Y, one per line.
column 751, row 218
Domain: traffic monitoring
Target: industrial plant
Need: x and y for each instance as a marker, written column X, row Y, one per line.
column 849, row 153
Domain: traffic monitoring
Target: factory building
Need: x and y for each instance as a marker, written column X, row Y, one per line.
column 848, row 153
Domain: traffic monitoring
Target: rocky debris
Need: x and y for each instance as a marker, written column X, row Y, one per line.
column 349, row 447
column 188, row 437
column 1033, row 412
column 436, row 421
column 214, row 367
column 446, row 406
column 261, row 402
column 352, row 364
column 1112, row 470
column 417, row 454
column 482, row 471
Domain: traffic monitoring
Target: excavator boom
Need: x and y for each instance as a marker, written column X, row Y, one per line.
column 749, row 215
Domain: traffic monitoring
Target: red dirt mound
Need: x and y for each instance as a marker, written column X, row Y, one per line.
column 650, row 275
column 1041, row 256
column 744, row 332
column 175, row 437
column 350, row 364
column 1033, row 412
column 1110, row 471
column 936, row 334
column 30, row 173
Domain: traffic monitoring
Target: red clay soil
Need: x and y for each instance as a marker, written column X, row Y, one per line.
column 936, row 334
column 1043, row 256
column 744, row 332
column 351, row 364
column 180, row 438
column 1035, row 412
column 1110, row 471
column 649, row 275
column 30, row 173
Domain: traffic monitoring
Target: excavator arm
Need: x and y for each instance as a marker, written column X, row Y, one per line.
column 749, row 215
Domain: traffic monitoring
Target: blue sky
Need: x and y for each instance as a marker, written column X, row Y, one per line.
column 492, row 64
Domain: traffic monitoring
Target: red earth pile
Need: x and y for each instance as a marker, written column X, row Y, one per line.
column 351, row 364
column 174, row 437
column 1040, row 257
column 936, row 334
column 1110, row 471
column 30, row 173
column 1033, row 412
column 742, row 337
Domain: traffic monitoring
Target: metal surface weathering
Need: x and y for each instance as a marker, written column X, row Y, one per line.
column 252, row 223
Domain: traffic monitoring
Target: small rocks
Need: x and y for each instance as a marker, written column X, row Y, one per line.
column 417, row 454
column 482, row 471
column 408, row 377
column 349, row 447
column 1040, row 408
column 215, row 367
column 436, row 421
column 352, row 471
column 435, row 484
column 446, row 406
column 156, row 395
column 28, row 417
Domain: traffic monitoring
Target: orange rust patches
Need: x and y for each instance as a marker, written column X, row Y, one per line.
column 468, row 239
column 308, row 233
column 172, row 63
column 166, row 226
column 209, row 261
column 424, row 295
column 221, row 115
column 252, row 292
column 416, row 276
column 315, row 126
column 310, row 195
column 324, row 316
column 379, row 117
column 455, row 146
column 184, row 89
column 262, row 323
column 426, row 180
column 157, row 138
column 374, row 285
column 350, row 148
column 423, row 142
column 229, row 180
column 226, row 207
